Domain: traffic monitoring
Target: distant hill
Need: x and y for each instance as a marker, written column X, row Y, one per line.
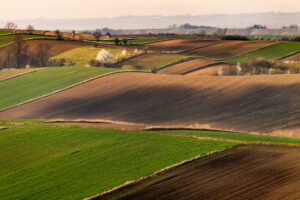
column 272, row 20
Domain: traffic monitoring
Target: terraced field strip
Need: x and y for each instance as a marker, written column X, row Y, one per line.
column 6, row 74
column 33, row 85
column 218, row 102
column 269, row 172
column 272, row 52
column 229, row 49
column 210, row 70
column 9, row 39
column 151, row 61
column 71, row 163
column 186, row 66
column 178, row 45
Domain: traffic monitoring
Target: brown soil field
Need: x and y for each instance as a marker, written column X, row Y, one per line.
column 185, row 66
column 212, row 70
column 257, row 172
column 240, row 103
column 229, row 49
column 177, row 45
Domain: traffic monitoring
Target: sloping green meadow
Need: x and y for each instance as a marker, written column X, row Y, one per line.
column 46, row 162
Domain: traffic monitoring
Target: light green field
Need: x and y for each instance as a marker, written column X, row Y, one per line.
column 70, row 163
column 271, row 52
column 82, row 55
column 149, row 62
column 8, row 39
column 36, row 84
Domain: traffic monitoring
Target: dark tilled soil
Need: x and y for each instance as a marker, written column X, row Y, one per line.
column 257, row 172
column 241, row 103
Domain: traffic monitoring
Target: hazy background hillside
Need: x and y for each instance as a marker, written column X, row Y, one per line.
column 272, row 20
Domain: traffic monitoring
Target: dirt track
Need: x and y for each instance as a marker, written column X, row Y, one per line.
column 242, row 103
column 248, row 172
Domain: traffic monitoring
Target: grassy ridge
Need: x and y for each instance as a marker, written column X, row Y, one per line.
column 8, row 39
column 42, row 162
column 240, row 137
column 271, row 52
column 33, row 85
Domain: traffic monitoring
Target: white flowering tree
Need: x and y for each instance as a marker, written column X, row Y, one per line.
column 104, row 57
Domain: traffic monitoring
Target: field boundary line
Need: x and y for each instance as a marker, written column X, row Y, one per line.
column 203, row 67
column 70, row 87
column 290, row 55
column 159, row 172
column 22, row 74
column 175, row 63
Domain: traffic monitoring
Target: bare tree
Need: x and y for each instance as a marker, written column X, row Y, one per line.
column 58, row 35
column 42, row 54
column 11, row 26
column 73, row 34
column 19, row 41
column 30, row 29
column 97, row 34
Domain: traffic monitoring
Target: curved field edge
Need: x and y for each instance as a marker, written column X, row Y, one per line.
column 33, row 86
column 74, row 163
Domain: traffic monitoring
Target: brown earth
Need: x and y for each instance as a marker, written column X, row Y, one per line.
column 257, row 172
column 240, row 103
column 229, row 49
column 212, row 70
column 177, row 45
column 185, row 66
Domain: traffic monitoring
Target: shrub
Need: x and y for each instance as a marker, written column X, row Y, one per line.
column 235, row 37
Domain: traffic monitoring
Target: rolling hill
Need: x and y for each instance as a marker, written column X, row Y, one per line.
column 241, row 103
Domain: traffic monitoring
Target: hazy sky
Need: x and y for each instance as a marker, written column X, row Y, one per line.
column 20, row 9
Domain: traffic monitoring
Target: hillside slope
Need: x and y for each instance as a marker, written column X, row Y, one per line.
column 242, row 103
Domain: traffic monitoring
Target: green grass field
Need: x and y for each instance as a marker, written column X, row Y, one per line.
column 70, row 163
column 5, row 33
column 8, row 39
column 44, row 161
column 271, row 52
column 36, row 84
column 82, row 55
column 151, row 61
